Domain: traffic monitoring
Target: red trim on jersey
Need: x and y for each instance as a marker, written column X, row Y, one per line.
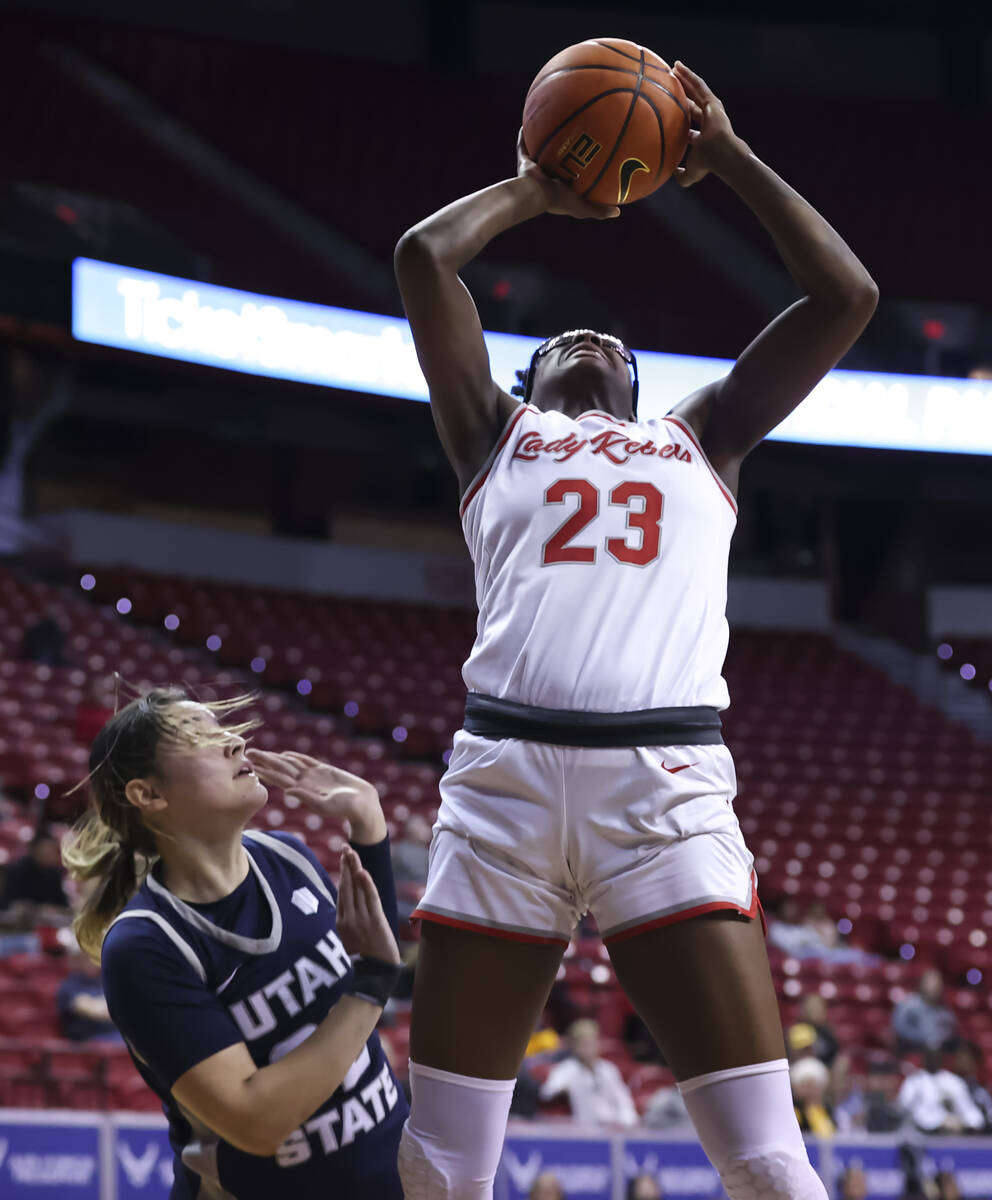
column 598, row 412
column 480, row 479
column 685, row 914
column 690, row 434
column 511, row 935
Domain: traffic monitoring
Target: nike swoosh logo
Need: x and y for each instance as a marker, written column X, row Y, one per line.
column 675, row 770
column 227, row 980
column 628, row 169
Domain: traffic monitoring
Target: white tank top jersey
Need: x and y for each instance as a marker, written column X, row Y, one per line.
column 600, row 549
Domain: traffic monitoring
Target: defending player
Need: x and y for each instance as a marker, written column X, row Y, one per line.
column 591, row 773
column 227, row 970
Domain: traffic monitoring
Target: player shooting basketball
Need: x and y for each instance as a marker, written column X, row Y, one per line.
column 591, row 773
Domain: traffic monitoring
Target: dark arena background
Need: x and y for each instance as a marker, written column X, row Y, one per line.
column 217, row 469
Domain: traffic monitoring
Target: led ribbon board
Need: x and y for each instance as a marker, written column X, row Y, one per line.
column 365, row 352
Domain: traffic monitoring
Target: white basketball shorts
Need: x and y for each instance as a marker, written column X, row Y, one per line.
column 530, row 836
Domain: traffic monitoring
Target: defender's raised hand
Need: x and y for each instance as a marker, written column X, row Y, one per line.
column 332, row 792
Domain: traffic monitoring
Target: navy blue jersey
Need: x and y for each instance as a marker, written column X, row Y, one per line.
column 263, row 966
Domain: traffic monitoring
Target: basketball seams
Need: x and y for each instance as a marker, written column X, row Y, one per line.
column 536, row 154
column 623, row 129
column 660, row 65
column 601, row 119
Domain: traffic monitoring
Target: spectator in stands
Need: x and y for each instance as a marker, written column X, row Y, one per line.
column 410, row 854
column 965, row 1063
column 44, row 641
column 810, row 1079
column 853, row 1184
column 95, row 709
column 666, row 1110
column 33, row 892
column 644, row 1187
column 882, row 1083
column 547, row 1186
column 812, row 1034
column 594, row 1087
column 937, row 1101
column 921, row 1022
column 847, row 1098
column 82, row 1007
column 980, row 371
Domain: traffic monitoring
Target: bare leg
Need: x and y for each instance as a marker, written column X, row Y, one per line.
column 477, row 1000
column 704, row 989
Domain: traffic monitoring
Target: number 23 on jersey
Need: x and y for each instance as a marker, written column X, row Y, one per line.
column 644, row 505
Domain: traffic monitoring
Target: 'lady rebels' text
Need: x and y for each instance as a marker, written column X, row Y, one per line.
column 615, row 446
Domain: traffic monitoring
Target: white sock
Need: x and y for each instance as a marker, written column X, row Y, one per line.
column 452, row 1142
column 747, row 1125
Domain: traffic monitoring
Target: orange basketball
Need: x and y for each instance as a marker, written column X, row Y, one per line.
column 609, row 118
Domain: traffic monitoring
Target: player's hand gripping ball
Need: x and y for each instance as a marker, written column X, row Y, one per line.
column 608, row 118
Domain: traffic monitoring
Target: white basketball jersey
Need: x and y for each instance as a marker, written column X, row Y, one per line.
column 600, row 549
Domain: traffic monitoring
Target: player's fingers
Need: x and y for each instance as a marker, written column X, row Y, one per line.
column 696, row 113
column 304, row 760
column 277, row 776
column 698, row 84
column 345, row 901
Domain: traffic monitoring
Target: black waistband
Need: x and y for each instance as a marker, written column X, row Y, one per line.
column 490, row 717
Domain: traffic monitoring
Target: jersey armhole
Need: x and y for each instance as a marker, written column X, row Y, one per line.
column 184, row 948
column 487, row 466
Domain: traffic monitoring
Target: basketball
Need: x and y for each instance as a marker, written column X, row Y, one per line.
column 609, row 118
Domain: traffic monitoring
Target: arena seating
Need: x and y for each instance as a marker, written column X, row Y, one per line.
column 851, row 792
column 968, row 656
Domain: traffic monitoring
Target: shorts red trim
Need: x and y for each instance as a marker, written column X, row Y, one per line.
column 687, row 913
column 509, row 935
column 691, row 434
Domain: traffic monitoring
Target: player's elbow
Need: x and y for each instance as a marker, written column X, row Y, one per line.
column 260, row 1133
column 416, row 254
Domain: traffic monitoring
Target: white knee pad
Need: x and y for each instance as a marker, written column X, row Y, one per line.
column 451, row 1144
column 747, row 1125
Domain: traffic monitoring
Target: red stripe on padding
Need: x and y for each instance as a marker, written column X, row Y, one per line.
column 509, row 935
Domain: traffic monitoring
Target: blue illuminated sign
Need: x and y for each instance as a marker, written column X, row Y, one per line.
column 366, row 352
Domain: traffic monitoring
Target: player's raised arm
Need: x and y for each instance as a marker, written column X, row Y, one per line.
column 788, row 358
column 469, row 408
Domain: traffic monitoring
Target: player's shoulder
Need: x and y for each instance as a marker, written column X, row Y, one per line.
column 287, row 848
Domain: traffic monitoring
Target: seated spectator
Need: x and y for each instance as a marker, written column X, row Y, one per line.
column 95, row 709
column 44, row 641
column 937, row 1101
column 789, row 932
column 593, row 1086
column 644, row 1187
column 666, row 1110
column 809, row 1094
column 409, row 854
column 546, row 1186
column 965, row 1064
column 921, row 1022
column 82, row 1008
column 980, row 371
column 847, row 1098
column 882, row 1082
column 853, row 1184
column 33, row 892
column 812, row 1034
